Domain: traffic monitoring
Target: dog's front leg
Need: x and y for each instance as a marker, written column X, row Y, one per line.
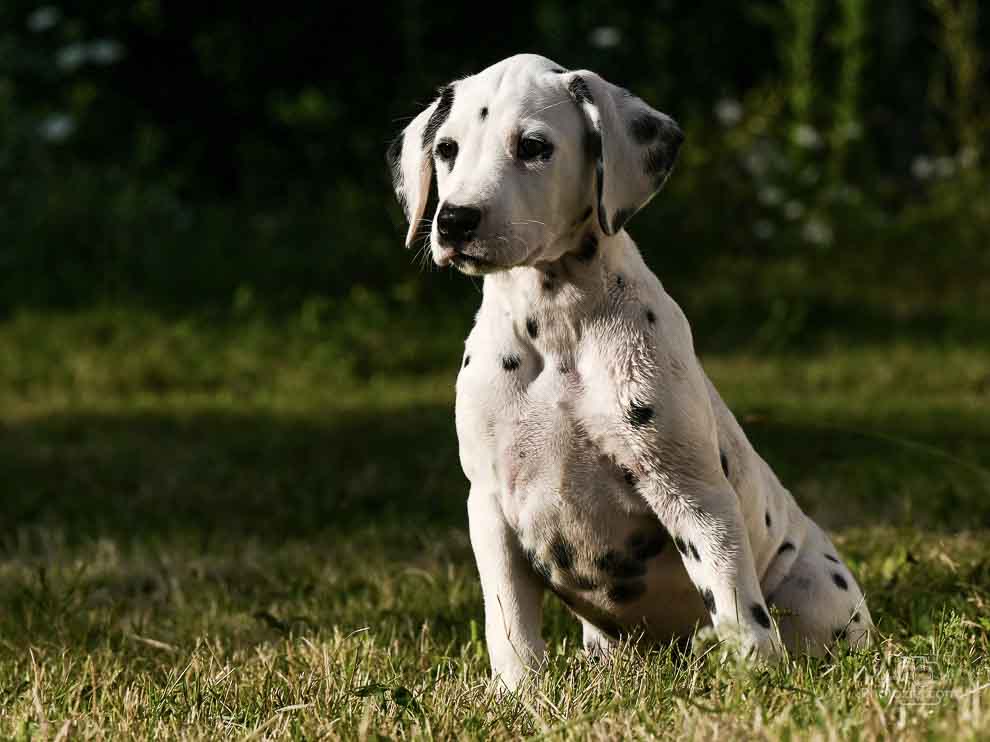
column 706, row 523
column 512, row 592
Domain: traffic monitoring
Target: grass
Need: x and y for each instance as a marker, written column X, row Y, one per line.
column 255, row 528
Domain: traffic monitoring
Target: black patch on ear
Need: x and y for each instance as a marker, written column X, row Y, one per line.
column 640, row 414
column 589, row 246
column 579, row 91
column 467, row 360
column 840, row 581
column 831, row 558
column 650, row 316
column 621, row 217
column 645, row 128
column 725, row 463
column 439, row 115
column 394, row 159
column 856, row 617
column 484, row 113
column 709, row 599
column 760, row 615
column 511, row 362
column 766, row 519
column 659, row 160
column 532, row 328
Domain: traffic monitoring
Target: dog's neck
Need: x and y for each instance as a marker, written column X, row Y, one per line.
column 548, row 302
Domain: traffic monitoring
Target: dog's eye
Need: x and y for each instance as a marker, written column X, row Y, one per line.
column 531, row 148
column 447, row 149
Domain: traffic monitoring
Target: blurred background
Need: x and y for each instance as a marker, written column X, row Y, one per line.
column 208, row 323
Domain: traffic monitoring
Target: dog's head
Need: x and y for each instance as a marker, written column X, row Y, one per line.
column 525, row 154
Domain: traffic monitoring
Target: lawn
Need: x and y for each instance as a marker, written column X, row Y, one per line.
column 250, row 527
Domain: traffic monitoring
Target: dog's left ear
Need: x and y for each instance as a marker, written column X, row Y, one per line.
column 634, row 146
column 410, row 157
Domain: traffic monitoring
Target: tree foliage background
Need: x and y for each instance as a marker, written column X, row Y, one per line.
column 211, row 156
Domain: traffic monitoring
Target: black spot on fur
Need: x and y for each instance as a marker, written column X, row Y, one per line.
column 840, row 581
column 579, row 91
column 562, row 552
column 640, row 414
column 626, row 592
column 583, row 582
column 831, row 558
column 856, row 617
column 439, row 115
column 694, row 551
column 619, row 280
column 681, row 546
column 621, row 217
column 532, row 328
column 511, row 362
column 766, row 519
column 645, row 128
column 618, row 565
column 539, row 566
column 724, row 460
column 589, row 246
column 650, row 316
column 786, row 546
column 760, row 615
column 484, row 113
column 628, row 476
column 709, row 598
column 648, row 544
column 467, row 360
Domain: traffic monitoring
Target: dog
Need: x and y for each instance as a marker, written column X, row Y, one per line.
column 603, row 464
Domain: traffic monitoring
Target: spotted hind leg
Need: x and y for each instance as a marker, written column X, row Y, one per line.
column 818, row 602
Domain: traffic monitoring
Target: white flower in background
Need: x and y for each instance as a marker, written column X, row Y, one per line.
column 968, row 157
column 729, row 112
column 806, row 137
column 71, row 57
column 793, row 209
column 105, row 51
column 945, row 167
column 57, row 128
column 817, row 232
column 764, row 229
column 770, row 195
column 43, row 18
column 605, row 37
column 922, row 167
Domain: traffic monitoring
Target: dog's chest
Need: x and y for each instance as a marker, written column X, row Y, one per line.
column 547, row 434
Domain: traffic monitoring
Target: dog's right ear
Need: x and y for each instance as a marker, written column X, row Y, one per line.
column 410, row 156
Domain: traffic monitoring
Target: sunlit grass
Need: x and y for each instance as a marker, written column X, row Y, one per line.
column 256, row 527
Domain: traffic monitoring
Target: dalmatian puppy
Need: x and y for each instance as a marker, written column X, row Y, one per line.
column 604, row 466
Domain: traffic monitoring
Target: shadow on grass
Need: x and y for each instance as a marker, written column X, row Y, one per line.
column 204, row 476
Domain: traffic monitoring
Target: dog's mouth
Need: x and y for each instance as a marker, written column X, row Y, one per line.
column 472, row 265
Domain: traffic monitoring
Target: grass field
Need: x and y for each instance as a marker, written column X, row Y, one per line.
column 247, row 528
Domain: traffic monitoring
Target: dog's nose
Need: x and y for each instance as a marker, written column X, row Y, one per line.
column 457, row 223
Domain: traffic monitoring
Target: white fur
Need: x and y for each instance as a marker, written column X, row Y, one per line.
column 584, row 442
